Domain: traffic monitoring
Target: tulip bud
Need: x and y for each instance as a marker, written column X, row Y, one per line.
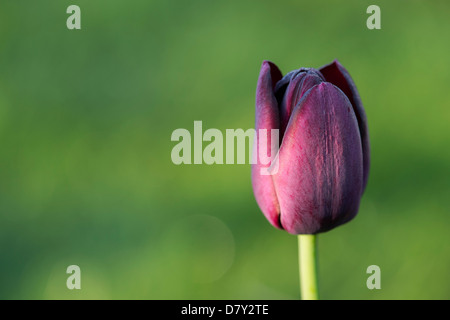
column 323, row 159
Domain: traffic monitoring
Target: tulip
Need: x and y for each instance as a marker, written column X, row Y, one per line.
column 323, row 157
column 323, row 160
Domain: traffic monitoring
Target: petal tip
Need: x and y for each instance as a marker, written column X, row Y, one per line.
column 271, row 69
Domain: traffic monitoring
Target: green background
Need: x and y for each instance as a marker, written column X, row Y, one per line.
column 86, row 176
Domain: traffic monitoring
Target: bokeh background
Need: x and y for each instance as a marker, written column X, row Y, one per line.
column 86, row 176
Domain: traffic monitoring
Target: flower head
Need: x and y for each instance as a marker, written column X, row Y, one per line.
column 323, row 159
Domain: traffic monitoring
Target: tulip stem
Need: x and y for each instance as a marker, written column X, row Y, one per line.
column 307, row 246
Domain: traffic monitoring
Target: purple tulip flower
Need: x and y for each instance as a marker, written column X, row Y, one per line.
column 324, row 155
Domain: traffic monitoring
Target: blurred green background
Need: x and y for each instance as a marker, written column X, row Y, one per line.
column 86, row 176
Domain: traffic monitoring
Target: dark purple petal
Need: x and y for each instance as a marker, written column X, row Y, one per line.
column 320, row 175
column 267, row 117
column 281, row 85
column 339, row 76
column 299, row 85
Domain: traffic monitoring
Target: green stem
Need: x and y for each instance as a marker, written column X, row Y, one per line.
column 307, row 246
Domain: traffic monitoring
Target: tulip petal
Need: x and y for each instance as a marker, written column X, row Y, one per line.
column 339, row 76
column 319, row 181
column 267, row 117
column 299, row 85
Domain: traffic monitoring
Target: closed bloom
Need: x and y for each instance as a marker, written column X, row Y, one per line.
column 323, row 159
